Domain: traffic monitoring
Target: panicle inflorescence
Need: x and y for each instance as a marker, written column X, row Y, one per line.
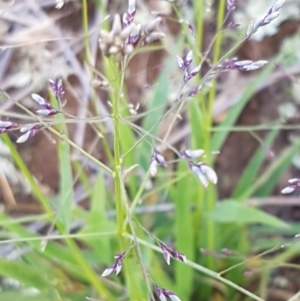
column 245, row 65
column 125, row 34
column 30, row 130
column 184, row 64
column 204, row 172
column 272, row 14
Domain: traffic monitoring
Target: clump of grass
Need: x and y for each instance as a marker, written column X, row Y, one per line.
column 142, row 165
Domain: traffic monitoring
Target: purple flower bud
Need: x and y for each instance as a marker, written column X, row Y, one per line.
column 6, row 125
column 30, row 131
column 245, row 65
column 278, row 5
column 41, row 101
column 154, row 36
column 108, row 271
column 116, row 25
column 169, row 251
column 233, row 25
column 295, row 183
column 135, row 34
column 131, row 8
column 153, row 168
column 180, row 62
column 129, row 15
column 251, row 28
column 124, row 34
column 159, row 158
column 178, row 255
column 166, row 253
column 160, row 294
column 269, row 18
column 272, row 14
column 170, row 295
column 204, row 173
column 188, row 59
column 194, row 72
column 156, row 159
column 194, row 91
column 125, row 20
column 116, row 266
column 57, row 88
column 187, row 153
column 46, row 112
column 231, row 4
column 191, row 29
column 151, row 25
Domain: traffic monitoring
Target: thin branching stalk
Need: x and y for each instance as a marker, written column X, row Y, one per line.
column 204, row 270
column 60, row 135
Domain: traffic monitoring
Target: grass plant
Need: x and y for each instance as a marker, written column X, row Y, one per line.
column 201, row 248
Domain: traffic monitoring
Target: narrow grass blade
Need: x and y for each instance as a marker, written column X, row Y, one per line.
column 219, row 138
column 98, row 221
column 24, row 170
column 65, row 182
column 29, row 276
column 234, row 212
column 184, row 232
column 266, row 182
column 251, row 170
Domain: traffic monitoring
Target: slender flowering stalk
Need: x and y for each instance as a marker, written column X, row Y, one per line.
column 125, row 35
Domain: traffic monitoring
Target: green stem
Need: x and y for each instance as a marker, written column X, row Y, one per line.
column 211, row 195
column 117, row 158
column 86, row 30
column 203, row 270
column 133, row 289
